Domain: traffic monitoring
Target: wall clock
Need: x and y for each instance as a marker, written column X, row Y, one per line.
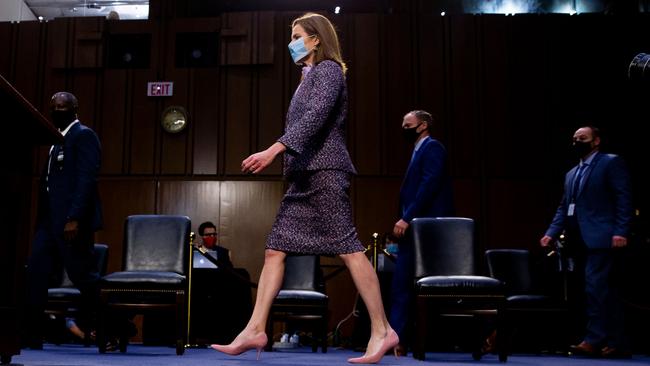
column 174, row 119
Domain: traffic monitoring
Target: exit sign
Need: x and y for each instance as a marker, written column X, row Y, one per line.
column 160, row 89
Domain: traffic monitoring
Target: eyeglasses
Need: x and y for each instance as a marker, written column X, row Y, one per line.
column 209, row 234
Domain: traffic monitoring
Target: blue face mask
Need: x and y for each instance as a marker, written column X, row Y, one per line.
column 298, row 50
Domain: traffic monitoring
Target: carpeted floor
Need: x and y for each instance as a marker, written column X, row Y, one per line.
column 75, row 355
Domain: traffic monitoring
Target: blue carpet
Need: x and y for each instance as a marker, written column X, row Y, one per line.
column 75, row 355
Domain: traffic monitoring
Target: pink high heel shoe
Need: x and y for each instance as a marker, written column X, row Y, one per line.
column 258, row 342
column 390, row 341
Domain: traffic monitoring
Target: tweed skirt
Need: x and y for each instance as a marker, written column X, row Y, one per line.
column 315, row 216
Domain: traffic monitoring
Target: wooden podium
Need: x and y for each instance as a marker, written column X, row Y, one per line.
column 23, row 128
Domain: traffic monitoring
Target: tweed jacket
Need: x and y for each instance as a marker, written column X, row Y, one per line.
column 315, row 126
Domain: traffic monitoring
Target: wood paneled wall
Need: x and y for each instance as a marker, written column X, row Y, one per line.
column 507, row 93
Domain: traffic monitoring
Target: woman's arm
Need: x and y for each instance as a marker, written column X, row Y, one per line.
column 328, row 82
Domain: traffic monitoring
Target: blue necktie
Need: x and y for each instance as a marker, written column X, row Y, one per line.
column 576, row 181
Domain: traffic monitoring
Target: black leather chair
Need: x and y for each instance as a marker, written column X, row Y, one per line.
column 153, row 277
column 446, row 278
column 301, row 298
column 525, row 302
column 64, row 299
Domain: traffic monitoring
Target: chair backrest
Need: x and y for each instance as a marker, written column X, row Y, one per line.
column 156, row 243
column 100, row 255
column 443, row 246
column 301, row 272
column 101, row 258
column 512, row 267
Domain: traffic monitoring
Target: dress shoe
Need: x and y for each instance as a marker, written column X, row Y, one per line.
column 613, row 352
column 390, row 341
column 400, row 350
column 258, row 342
column 112, row 345
column 584, row 349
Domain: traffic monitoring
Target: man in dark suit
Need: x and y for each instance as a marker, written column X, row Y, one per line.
column 426, row 192
column 209, row 239
column 596, row 213
column 69, row 213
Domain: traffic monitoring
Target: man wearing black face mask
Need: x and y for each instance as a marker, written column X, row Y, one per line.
column 596, row 213
column 425, row 192
column 69, row 213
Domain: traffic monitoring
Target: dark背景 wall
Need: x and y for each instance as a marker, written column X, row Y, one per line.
column 507, row 93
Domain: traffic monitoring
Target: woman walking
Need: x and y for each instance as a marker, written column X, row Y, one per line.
column 315, row 216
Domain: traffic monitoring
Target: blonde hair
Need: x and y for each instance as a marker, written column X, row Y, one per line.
column 319, row 26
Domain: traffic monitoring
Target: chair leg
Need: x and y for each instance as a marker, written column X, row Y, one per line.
column 323, row 337
column 478, row 339
column 421, row 322
column 502, row 334
column 315, row 336
column 181, row 323
column 180, row 348
column 123, row 343
column 101, row 323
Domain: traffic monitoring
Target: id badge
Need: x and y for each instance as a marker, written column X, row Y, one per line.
column 571, row 210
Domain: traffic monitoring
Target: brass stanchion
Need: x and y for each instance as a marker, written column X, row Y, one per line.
column 375, row 248
column 375, row 254
column 189, row 292
column 372, row 248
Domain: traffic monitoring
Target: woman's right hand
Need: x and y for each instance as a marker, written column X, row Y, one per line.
column 260, row 160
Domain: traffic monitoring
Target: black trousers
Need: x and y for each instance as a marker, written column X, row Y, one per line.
column 595, row 300
column 50, row 253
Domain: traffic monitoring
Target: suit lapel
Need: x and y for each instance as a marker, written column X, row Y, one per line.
column 73, row 129
column 568, row 180
column 416, row 157
column 411, row 164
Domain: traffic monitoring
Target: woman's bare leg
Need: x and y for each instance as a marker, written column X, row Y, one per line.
column 268, row 288
column 365, row 279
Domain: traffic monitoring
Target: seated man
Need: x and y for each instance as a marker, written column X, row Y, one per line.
column 208, row 234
